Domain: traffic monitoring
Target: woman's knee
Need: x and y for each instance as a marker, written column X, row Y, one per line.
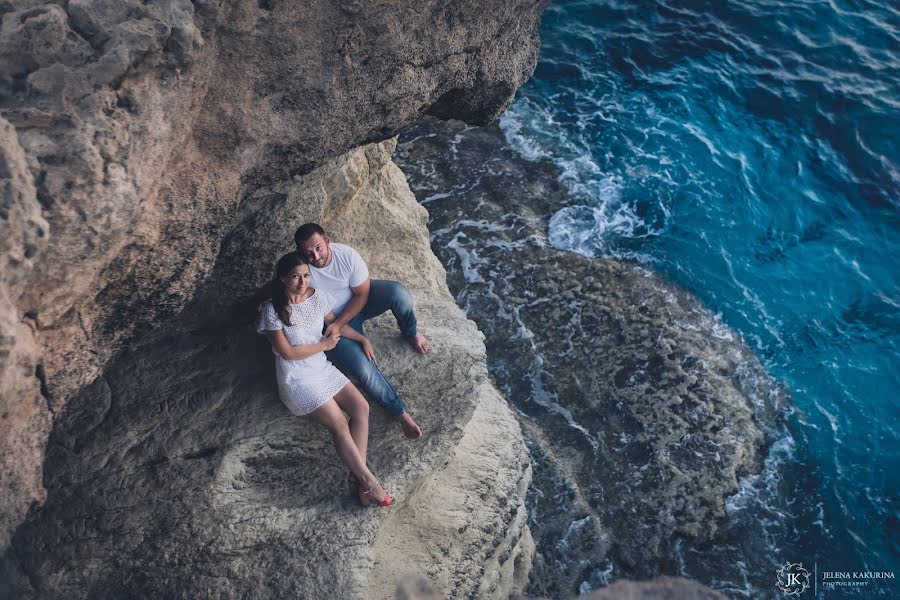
column 359, row 411
column 353, row 403
column 360, row 408
column 330, row 417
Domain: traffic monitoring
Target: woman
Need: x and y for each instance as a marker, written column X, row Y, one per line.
column 308, row 383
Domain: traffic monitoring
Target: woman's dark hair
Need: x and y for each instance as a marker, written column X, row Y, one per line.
column 280, row 300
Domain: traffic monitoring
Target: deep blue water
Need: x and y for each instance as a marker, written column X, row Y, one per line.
column 751, row 151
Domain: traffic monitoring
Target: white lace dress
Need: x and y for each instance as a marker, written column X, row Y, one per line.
column 303, row 385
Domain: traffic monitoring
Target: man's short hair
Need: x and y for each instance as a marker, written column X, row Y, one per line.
column 306, row 231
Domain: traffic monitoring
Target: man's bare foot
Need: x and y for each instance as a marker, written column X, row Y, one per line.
column 409, row 426
column 419, row 342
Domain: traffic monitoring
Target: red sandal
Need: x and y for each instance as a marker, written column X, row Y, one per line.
column 387, row 497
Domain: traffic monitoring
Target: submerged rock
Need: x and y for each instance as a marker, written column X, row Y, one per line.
column 640, row 408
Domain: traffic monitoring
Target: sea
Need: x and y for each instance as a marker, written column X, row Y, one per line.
column 749, row 150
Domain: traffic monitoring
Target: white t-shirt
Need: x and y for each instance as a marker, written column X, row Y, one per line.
column 347, row 269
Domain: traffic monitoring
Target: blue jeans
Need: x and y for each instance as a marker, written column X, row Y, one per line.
column 384, row 295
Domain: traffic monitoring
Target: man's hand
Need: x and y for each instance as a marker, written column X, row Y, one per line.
column 331, row 340
column 333, row 329
column 368, row 349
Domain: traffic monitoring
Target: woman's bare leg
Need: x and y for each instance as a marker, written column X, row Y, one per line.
column 354, row 404
column 329, row 415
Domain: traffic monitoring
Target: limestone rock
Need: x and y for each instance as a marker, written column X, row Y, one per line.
column 466, row 527
column 140, row 129
column 25, row 418
column 178, row 473
column 660, row 588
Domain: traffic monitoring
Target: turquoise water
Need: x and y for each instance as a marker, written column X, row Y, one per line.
column 751, row 152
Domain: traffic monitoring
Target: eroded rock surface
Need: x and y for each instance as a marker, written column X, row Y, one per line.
column 132, row 133
column 640, row 408
column 660, row 588
column 178, row 473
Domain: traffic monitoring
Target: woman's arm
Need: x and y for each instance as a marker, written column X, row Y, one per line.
column 288, row 352
column 350, row 333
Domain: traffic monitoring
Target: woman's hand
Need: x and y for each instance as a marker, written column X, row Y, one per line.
column 331, row 340
column 302, row 351
column 368, row 349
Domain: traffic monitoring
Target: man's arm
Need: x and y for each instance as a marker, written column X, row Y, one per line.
column 356, row 304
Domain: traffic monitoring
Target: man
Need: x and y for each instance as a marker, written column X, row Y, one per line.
column 341, row 272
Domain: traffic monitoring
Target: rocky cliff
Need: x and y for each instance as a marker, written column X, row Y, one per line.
column 142, row 147
column 178, row 473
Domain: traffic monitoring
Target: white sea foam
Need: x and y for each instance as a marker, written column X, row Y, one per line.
column 467, row 259
column 521, row 116
column 549, row 400
column 758, row 490
column 588, row 230
column 832, row 420
column 574, row 528
column 602, row 220
column 599, row 578
column 434, row 197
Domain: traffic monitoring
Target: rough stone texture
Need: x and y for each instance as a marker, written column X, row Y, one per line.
column 660, row 588
column 24, row 422
column 640, row 408
column 179, row 474
column 466, row 528
column 417, row 588
column 139, row 128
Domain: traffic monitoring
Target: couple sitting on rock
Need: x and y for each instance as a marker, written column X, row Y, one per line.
column 326, row 286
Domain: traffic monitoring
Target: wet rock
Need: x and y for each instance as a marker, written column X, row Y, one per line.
column 640, row 408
